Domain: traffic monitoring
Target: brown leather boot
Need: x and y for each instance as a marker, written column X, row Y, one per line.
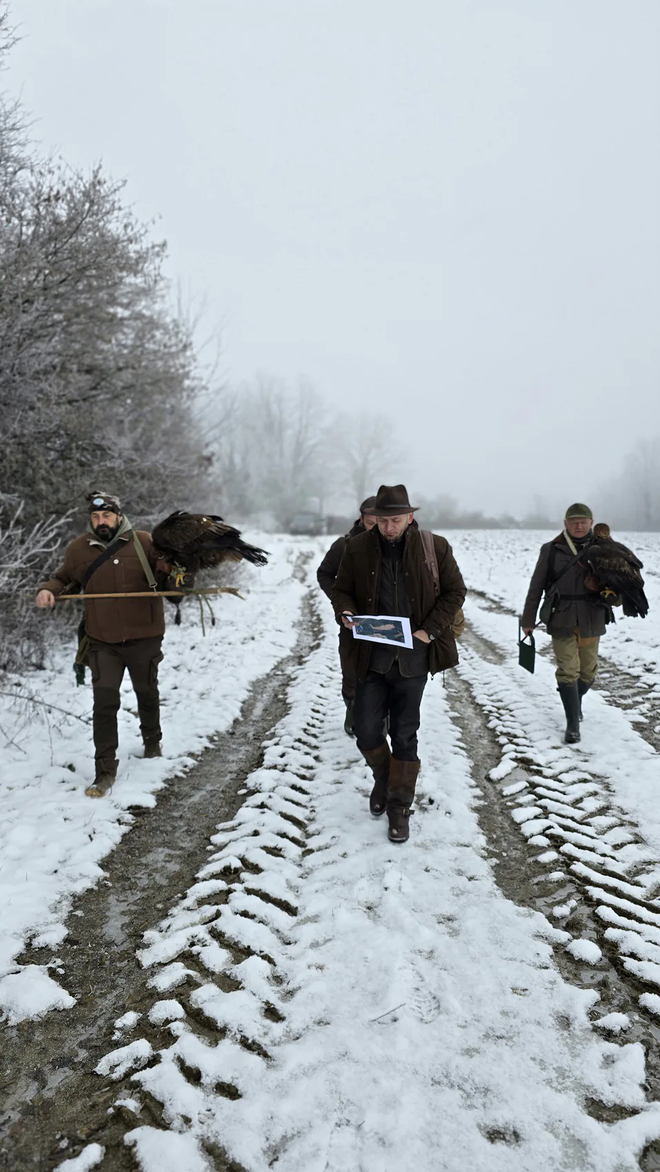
column 403, row 776
column 152, row 749
column 102, row 784
column 378, row 760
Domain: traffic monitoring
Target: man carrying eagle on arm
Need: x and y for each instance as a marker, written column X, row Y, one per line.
column 583, row 574
column 117, row 633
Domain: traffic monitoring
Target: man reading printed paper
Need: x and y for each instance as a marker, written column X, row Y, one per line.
column 385, row 572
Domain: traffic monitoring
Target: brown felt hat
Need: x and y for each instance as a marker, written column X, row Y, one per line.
column 391, row 500
column 367, row 505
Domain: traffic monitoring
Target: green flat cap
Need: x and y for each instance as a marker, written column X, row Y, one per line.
column 579, row 510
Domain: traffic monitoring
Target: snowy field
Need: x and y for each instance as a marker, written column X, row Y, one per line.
column 324, row 1000
column 500, row 564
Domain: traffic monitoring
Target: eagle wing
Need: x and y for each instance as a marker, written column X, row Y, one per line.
column 617, row 570
column 201, row 541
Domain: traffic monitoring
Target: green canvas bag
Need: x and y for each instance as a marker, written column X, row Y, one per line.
column 549, row 603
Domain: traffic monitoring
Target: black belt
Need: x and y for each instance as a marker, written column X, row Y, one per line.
column 573, row 597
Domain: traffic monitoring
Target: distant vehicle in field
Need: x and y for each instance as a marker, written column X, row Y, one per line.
column 307, row 524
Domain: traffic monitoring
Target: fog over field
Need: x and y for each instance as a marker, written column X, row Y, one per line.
column 445, row 214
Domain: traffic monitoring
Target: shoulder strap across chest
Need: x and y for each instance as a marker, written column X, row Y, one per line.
column 430, row 557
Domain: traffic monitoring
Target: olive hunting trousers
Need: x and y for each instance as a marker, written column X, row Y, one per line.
column 577, row 658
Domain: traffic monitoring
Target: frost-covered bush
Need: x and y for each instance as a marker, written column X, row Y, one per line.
column 26, row 552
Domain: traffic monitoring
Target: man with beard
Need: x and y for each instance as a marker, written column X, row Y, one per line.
column 325, row 576
column 386, row 571
column 113, row 558
column 574, row 616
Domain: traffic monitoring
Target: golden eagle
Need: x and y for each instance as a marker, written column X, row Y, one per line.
column 193, row 541
column 614, row 571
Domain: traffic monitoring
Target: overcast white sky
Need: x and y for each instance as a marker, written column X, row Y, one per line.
column 445, row 209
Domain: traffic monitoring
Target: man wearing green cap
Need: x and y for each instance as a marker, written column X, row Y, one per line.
column 574, row 616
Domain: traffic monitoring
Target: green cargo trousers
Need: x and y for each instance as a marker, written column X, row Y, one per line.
column 577, row 658
column 108, row 661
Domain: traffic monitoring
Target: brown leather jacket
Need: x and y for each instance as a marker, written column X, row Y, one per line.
column 357, row 587
column 107, row 619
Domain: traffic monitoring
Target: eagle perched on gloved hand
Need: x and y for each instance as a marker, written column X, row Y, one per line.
column 192, row 541
column 614, row 571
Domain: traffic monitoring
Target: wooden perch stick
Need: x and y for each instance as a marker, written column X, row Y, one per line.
column 151, row 594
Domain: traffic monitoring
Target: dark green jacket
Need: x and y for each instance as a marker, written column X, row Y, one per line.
column 578, row 608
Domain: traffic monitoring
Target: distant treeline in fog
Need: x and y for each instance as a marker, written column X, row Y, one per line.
column 629, row 499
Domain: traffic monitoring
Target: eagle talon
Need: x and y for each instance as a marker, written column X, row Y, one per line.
column 179, row 574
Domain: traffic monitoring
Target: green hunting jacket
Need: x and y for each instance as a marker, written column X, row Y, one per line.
column 578, row 609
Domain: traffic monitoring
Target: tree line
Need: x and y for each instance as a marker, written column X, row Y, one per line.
column 101, row 386
column 98, row 377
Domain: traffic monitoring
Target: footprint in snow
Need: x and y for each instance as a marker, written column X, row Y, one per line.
column 424, row 1005
column 343, row 1148
column 394, row 880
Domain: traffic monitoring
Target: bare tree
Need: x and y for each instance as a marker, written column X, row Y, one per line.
column 272, row 451
column 369, row 453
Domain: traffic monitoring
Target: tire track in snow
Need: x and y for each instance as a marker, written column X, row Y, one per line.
column 47, row 1065
column 218, row 962
column 636, row 697
column 314, row 998
column 596, row 878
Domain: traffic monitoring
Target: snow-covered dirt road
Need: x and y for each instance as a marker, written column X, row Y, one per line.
column 261, row 980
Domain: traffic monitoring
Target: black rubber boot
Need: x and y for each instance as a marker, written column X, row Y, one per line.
column 570, row 698
column 378, row 761
column 348, row 719
column 583, row 688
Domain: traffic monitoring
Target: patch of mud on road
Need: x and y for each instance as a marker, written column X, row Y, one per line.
column 51, row 1102
column 558, row 844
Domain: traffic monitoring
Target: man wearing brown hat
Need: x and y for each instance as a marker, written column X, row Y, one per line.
column 574, row 616
column 325, row 576
column 113, row 558
column 387, row 571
